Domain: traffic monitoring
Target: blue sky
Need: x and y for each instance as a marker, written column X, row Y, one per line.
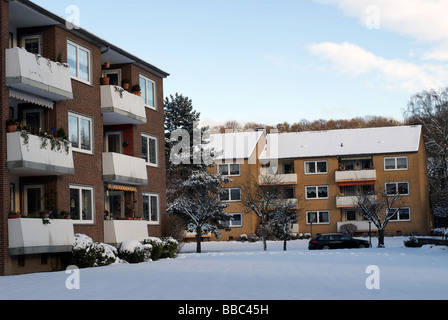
column 272, row 61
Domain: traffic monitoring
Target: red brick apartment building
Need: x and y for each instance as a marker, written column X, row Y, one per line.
column 110, row 180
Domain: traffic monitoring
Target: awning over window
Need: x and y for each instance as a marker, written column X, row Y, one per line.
column 356, row 183
column 30, row 98
column 121, row 188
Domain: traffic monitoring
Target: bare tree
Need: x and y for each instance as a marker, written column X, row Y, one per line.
column 261, row 198
column 429, row 108
column 379, row 207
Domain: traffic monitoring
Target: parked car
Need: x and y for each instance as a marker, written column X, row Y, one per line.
column 336, row 241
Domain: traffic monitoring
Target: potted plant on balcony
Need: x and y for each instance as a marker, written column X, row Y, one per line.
column 11, row 125
column 64, row 214
column 125, row 83
column 105, row 81
column 137, row 90
column 14, row 215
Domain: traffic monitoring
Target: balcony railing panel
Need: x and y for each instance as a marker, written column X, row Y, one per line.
column 30, row 159
column 39, row 76
column 32, row 236
column 120, row 168
column 121, row 107
column 117, row 231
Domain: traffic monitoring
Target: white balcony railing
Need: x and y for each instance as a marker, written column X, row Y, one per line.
column 361, row 226
column 349, row 201
column 31, row 236
column 272, row 179
column 121, row 168
column 117, row 231
column 355, row 175
column 121, row 107
column 37, row 75
column 30, row 159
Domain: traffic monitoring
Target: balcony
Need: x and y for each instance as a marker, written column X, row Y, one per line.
column 277, row 179
column 117, row 231
column 120, row 168
column 39, row 76
column 361, row 226
column 31, row 236
column 355, row 176
column 349, row 201
column 121, row 107
column 30, row 159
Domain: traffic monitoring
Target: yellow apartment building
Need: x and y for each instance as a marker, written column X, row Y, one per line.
column 327, row 170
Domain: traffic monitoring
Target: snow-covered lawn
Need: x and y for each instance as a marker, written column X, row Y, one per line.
column 235, row 270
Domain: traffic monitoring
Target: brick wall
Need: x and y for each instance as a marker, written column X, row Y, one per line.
column 4, row 114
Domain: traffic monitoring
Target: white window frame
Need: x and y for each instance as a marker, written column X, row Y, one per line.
column 396, row 163
column 228, row 169
column 32, row 36
column 230, row 195
column 154, row 93
column 230, row 222
column 79, row 117
column 89, row 57
column 81, row 204
column 318, row 216
column 396, row 187
column 149, row 195
column 396, row 218
column 317, row 192
column 315, row 164
column 156, row 139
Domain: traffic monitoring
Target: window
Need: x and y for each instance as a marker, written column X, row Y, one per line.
column 229, row 169
column 112, row 141
column 149, row 150
column 232, row 194
column 81, row 204
column 350, row 215
column 32, row 43
column 80, row 133
column 79, row 60
column 236, row 221
column 397, row 188
column 12, row 197
column 114, row 75
column 318, row 217
column 148, row 91
column 33, row 118
column 151, row 207
column 317, row 192
column 316, row 167
column 396, row 163
column 402, row 214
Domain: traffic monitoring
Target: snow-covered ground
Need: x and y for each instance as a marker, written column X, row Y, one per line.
column 243, row 271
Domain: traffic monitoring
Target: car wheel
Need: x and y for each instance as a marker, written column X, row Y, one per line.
column 326, row 247
column 362, row 245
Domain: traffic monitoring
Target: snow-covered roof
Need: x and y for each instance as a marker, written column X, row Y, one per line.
column 342, row 142
column 238, row 145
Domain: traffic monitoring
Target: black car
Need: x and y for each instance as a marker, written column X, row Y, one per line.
column 336, row 241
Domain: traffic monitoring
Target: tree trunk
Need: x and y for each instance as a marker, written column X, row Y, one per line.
column 381, row 238
column 263, row 235
column 198, row 240
column 284, row 243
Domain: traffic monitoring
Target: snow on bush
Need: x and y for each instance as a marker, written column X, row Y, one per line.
column 162, row 248
column 132, row 251
column 87, row 253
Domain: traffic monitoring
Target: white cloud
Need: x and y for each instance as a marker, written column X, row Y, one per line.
column 387, row 73
column 423, row 20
